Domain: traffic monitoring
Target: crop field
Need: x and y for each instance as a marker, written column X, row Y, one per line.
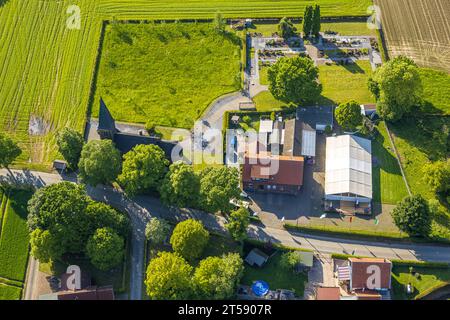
column 419, row 29
column 166, row 73
column 14, row 240
column 46, row 68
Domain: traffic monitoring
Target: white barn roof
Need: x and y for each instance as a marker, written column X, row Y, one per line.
column 348, row 166
column 308, row 143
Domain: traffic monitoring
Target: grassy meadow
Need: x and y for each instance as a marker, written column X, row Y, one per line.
column 436, row 89
column 46, row 68
column 168, row 73
column 14, row 242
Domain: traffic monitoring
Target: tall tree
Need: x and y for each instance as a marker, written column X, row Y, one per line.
column 294, row 80
column 102, row 215
column 238, row 223
column 412, row 216
column 217, row 277
column 398, row 88
column 70, row 143
column 181, row 186
column 99, row 163
column 307, row 21
column 315, row 25
column 189, row 238
column 157, row 230
column 219, row 22
column 169, row 277
column 218, row 185
column 348, row 115
column 45, row 246
column 9, row 151
column 286, row 28
column 143, row 169
column 105, row 248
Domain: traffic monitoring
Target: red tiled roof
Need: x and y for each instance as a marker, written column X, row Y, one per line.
column 328, row 293
column 288, row 172
column 361, row 271
column 90, row 293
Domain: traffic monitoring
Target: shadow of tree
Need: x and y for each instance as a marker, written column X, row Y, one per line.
column 3, row 2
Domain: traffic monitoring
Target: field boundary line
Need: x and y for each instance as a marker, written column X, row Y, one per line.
column 398, row 158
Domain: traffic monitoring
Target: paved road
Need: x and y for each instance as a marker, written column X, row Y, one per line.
column 141, row 209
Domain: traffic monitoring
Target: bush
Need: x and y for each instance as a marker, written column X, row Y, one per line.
column 412, row 216
column 157, row 230
column 105, row 248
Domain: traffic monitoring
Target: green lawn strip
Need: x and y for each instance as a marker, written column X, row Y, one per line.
column 167, row 73
column 276, row 276
column 265, row 101
column 2, row 209
column 13, row 283
column 388, row 184
column 263, row 75
column 343, row 83
column 10, row 292
column 418, row 141
column 14, row 239
column 372, row 235
column 436, row 90
column 426, row 280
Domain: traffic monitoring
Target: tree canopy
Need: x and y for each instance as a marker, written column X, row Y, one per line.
column 218, row 185
column 412, row 216
column 294, row 80
column 61, row 219
column 217, row 277
column 100, row 162
column 437, row 175
column 348, row 115
column 181, row 186
column 169, row 277
column 157, row 230
column 315, row 23
column 70, row 143
column 9, row 150
column 286, row 28
column 398, row 88
column 307, row 20
column 238, row 222
column 289, row 260
column 105, row 248
column 189, row 239
column 143, row 169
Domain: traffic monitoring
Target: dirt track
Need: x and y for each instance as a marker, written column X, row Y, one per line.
column 419, row 29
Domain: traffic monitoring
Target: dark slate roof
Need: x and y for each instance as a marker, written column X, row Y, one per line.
column 316, row 115
column 292, row 138
column 125, row 142
column 105, row 119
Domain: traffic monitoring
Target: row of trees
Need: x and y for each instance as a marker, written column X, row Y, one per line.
column 171, row 276
column 145, row 169
column 63, row 219
column 311, row 21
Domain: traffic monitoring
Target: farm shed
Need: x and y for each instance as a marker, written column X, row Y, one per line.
column 256, row 257
column 348, row 169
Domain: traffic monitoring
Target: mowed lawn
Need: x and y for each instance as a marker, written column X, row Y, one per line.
column 167, row 73
column 14, row 242
column 436, row 90
column 388, row 184
column 344, row 83
column 425, row 279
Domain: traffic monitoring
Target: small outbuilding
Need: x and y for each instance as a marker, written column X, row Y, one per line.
column 256, row 257
column 60, row 165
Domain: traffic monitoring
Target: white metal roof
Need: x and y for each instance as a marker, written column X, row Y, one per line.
column 348, row 166
column 308, row 143
column 265, row 126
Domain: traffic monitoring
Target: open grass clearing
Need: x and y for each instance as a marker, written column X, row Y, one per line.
column 166, row 73
column 342, row 83
column 436, row 91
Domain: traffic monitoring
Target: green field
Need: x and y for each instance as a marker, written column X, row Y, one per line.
column 46, row 69
column 10, row 292
column 14, row 240
column 436, row 90
column 168, row 73
column 343, row 28
column 344, row 83
column 388, row 184
column 426, row 279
